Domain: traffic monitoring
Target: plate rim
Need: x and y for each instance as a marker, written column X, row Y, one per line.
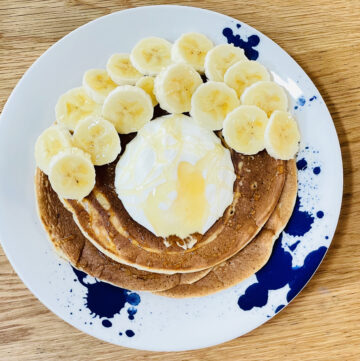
column 134, row 9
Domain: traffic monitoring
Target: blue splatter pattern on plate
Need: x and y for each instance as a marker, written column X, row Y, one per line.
column 104, row 300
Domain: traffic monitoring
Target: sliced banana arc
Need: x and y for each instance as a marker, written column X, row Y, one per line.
column 192, row 48
column 99, row 138
column 175, row 86
column 211, row 103
column 282, row 136
column 98, row 84
column 266, row 95
column 121, row 70
column 128, row 108
column 220, row 58
column 245, row 73
column 49, row 143
column 147, row 83
column 71, row 174
column 74, row 105
column 244, row 129
column 150, row 55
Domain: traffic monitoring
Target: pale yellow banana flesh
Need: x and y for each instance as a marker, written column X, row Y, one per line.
column 121, row 70
column 128, row 108
column 99, row 138
column 192, row 48
column 220, row 58
column 72, row 175
column 73, row 106
column 282, row 136
column 147, row 84
column 98, row 84
column 49, row 143
column 175, row 86
column 244, row 129
column 245, row 73
column 150, row 55
column 211, row 102
column 266, row 95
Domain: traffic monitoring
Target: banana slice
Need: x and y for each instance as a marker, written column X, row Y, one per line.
column 192, row 48
column 244, row 129
column 98, row 84
column 50, row 142
column 150, row 55
column 73, row 106
column 71, row 174
column 220, row 58
column 267, row 95
column 244, row 73
column 128, row 108
column 147, row 83
column 282, row 136
column 99, row 138
column 121, row 70
column 174, row 87
column 211, row 102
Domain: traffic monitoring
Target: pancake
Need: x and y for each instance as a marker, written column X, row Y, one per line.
column 192, row 277
column 71, row 244
column 253, row 257
column 103, row 219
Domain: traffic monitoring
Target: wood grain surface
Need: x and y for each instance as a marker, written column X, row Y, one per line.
column 323, row 322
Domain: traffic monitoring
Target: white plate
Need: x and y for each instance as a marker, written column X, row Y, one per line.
column 160, row 323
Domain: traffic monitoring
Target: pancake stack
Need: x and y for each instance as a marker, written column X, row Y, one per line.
column 97, row 235
column 182, row 205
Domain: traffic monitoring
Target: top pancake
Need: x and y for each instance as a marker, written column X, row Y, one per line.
column 104, row 221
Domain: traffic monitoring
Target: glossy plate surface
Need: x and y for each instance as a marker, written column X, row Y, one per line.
column 141, row 320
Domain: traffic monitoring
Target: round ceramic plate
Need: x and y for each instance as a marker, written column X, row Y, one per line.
column 142, row 320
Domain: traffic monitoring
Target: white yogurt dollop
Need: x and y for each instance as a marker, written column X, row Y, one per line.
column 175, row 177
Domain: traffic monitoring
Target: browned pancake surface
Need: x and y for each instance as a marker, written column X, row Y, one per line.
column 105, row 222
column 253, row 257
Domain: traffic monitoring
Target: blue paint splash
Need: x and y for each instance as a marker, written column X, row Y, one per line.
column 301, row 101
column 106, row 323
column 129, row 333
column 300, row 221
column 301, row 164
column 105, row 300
column 131, row 312
column 292, row 248
column 317, row 170
column 279, row 272
column 248, row 46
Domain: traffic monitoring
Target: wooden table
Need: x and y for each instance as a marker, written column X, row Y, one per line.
column 323, row 322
